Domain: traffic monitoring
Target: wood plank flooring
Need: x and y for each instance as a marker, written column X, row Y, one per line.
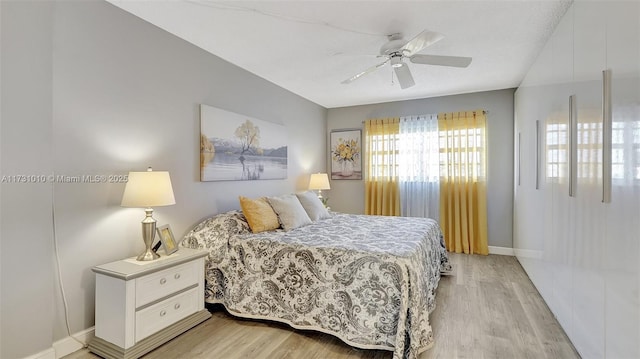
column 487, row 309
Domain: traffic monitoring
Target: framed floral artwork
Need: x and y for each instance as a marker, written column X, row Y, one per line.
column 346, row 154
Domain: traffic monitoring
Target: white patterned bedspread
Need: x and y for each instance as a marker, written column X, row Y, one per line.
column 368, row 280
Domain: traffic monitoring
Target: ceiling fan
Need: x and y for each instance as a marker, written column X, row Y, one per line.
column 398, row 49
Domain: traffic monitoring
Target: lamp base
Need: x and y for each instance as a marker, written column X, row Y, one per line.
column 148, row 233
column 148, row 255
column 322, row 199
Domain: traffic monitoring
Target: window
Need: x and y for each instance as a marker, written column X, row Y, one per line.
column 383, row 150
column 462, row 152
column 410, row 155
column 418, row 152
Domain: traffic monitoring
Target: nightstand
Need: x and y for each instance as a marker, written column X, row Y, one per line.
column 142, row 305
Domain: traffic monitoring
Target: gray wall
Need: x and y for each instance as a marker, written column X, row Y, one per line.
column 26, row 283
column 348, row 195
column 116, row 95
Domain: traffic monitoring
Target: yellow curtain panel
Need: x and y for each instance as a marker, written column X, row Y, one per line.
column 463, row 195
column 382, row 191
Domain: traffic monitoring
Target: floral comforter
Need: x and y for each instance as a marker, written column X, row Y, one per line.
column 368, row 280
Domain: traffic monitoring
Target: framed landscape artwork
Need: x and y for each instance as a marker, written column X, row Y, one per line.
column 346, row 154
column 237, row 147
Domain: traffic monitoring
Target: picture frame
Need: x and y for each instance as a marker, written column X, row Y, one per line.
column 167, row 239
column 345, row 151
column 235, row 147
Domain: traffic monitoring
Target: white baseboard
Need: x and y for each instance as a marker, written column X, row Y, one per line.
column 45, row 354
column 69, row 345
column 505, row 251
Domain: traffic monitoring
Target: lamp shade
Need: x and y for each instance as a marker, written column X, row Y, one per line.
column 148, row 189
column 319, row 181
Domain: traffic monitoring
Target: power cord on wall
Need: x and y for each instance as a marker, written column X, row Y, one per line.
column 60, row 282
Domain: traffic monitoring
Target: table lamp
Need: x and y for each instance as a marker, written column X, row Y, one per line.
column 319, row 181
column 145, row 190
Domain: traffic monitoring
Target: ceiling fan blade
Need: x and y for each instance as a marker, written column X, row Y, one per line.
column 453, row 61
column 404, row 76
column 422, row 40
column 367, row 71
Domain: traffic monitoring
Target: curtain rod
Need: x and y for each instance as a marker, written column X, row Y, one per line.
column 484, row 112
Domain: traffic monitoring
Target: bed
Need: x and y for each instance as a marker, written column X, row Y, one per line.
column 367, row 280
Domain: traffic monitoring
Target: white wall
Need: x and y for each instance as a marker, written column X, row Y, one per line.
column 120, row 95
column 26, row 284
column 348, row 195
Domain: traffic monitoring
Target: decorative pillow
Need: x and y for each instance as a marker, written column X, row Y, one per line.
column 259, row 214
column 313, row 206
column 290, row 211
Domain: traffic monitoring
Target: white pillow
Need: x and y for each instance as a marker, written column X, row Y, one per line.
column 312, row 204
column 290, row 212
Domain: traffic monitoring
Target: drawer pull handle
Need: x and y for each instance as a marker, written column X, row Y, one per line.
column 607, row 114
column 177, row 306
column 163, row 313
column 177, row 276
column 163, row 281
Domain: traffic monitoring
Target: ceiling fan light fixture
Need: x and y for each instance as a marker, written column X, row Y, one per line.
column 396, row 61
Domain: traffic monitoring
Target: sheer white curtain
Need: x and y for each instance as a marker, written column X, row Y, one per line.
column 419, row 166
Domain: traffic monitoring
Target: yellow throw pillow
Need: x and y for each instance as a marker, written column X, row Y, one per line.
column 259, row 214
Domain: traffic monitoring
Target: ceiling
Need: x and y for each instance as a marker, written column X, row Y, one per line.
column 310, row 47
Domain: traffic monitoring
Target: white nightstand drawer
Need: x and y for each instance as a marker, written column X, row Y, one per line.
column 165, row 313
column 142, row 305
column 166, row 282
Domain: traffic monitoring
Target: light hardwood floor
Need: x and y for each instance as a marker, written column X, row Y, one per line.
column 487, row 309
